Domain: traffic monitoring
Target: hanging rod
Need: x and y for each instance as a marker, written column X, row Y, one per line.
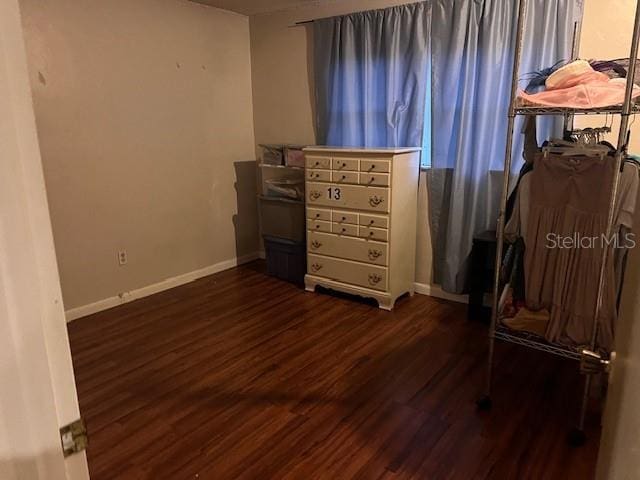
column 307, row 22
column 302, row 23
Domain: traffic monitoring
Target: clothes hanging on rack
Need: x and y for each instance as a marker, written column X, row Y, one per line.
column 568, row 204
column 529, row 130
column 627, row 199
column 617, row 68
column 518, row 207
column 519, row 220
column 562, row 200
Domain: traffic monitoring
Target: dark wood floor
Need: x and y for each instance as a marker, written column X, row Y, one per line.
column 239, row 375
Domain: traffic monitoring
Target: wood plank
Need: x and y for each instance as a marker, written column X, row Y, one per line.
column 239, row 375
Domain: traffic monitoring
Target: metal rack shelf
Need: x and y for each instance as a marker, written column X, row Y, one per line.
column 612, row 110
column 536, row 342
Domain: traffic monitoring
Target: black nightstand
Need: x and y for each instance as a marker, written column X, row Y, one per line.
column 481, row 271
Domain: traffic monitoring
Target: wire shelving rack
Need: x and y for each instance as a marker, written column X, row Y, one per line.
column 502, row 333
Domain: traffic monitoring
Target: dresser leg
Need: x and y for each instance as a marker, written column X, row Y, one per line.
column 309, row 285
column 386, row 303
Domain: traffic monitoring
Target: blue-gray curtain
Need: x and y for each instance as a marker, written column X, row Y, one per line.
column 370, row 77
column 472, row 57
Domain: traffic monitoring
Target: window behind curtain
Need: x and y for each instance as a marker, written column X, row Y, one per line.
column 371, row 77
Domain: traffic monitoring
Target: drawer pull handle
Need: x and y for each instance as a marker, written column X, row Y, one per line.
column 344, row 164
column 317, row 164
column 374, row 279
column 344, row 229
column 344, row 218
column 344, row 177
column 374, row 254
column 371, row 222
column 316, row 244
column 317, row 175
column 315, row 194
column 375, row 200
column 372, row 180
column 318, row 216
column 315, row 267
column 317, row 225
column 372, row 166
column 371, row 234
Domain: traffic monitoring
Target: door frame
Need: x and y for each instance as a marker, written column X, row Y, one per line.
column 37, row 384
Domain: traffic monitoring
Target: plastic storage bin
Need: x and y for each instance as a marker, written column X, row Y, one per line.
column 272, row 154
column 286, row 259
column 282, row 218
column 294, row 156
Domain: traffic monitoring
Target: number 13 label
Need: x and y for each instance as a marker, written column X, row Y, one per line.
column 334, row 193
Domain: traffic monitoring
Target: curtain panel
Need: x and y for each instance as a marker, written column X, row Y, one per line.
column 372, row 73
column 472, row 47
column 370, row 77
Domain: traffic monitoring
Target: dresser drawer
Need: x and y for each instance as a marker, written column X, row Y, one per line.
column 313, row 161
column 319, row 175
column 350, row 248
column 344, row 177
column 356, row 197
column 375, row 179
column 375, row 166
column 347, row 271
column 319, row 214
column 318, row 226
column 381, row 234
column 344, row 229
column 350, row 164
column 378, row 221
column 344, row 217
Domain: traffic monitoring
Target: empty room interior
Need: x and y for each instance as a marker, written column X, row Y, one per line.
column 319, row 239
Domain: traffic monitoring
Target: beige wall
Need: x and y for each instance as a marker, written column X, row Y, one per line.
column 606, row 34
column 144, row 116
column 282, row 90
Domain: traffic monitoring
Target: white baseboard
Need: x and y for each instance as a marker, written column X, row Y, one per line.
column 438, row 292
column 125, row 297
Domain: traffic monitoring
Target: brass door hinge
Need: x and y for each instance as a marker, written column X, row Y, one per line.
column 592, row 362
column 74, row 437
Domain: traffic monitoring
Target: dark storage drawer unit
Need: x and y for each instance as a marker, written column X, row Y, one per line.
column 286, row 259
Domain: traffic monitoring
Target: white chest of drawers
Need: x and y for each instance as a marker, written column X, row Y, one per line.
column 361, row 221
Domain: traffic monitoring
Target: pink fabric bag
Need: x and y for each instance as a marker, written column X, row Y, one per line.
column 587, row 90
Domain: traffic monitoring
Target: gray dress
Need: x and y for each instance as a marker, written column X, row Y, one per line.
column 568, row 205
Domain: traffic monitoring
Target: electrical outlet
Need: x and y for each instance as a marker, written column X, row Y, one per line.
column 122, row 257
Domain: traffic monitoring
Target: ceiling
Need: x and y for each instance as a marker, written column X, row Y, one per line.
column 254, row 7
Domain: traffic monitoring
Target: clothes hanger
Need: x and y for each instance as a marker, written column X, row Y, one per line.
column 575, row 150
column 590, row 135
